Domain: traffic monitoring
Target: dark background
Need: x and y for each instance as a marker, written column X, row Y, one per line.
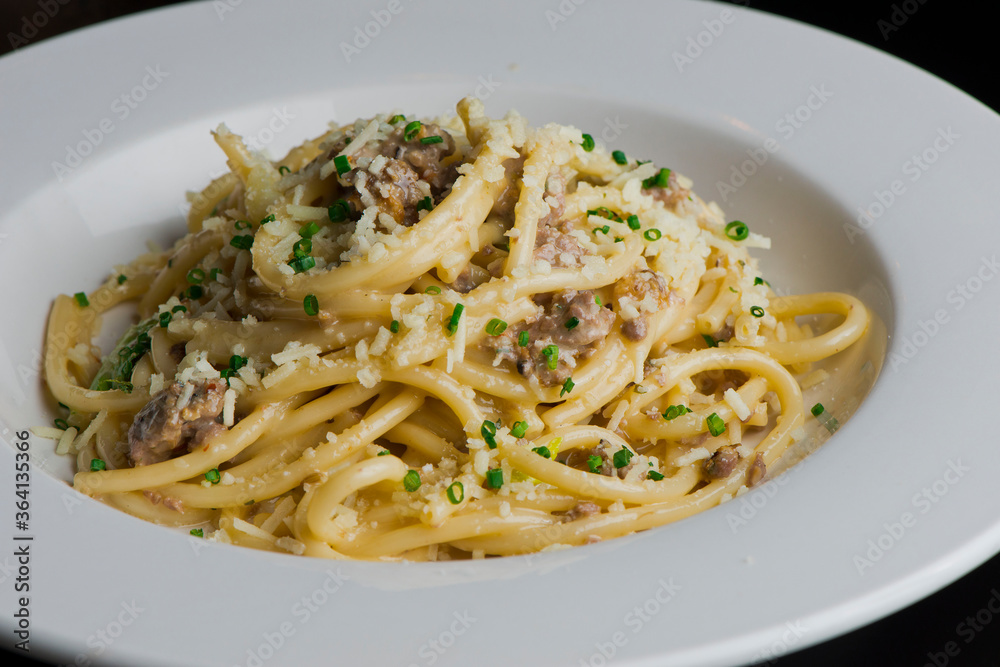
column 955, row 41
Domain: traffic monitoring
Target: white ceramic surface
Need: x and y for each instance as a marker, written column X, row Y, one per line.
column 900, row 502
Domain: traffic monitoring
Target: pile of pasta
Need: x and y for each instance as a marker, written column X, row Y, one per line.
column 433, row 340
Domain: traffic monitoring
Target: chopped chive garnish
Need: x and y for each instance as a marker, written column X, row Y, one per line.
column 194, row 292
column 395, row 119
column 543, row 451
column 551, row 354
column 567, row 386
column 307, row 231
column 619, row 157
column 311, row 305
column 652, row 234
column 522, row 338
column 339, row 210
column 425, row 204
column 757, row 311
column 394, row 326
column 242, row 224
column 494, row 478
column 817, row 410
column 733, row 290
column 282, row 170
column 737, row 231
column 455, row 493
column 178, row 309
column 489, row 432
column 588, row 143
column 301, row 264
column 633, row 222
column 675, row 411
column 214, row 273
column 456, row 315
column 433, row 289
column 411, row 130
column 594, row 462
column 164, row 320
column 384, row 452
column 715, row 424
column 597, row 300
column 605, row 212
column 81, row 299
column 236, row 362
column 711, row 342
column 758, row 281
column 243, row 242
column 302, row 248
column 195, row 276
column 267, row 218
column 433, row 139
column 519, row 429
column 622, row 457
column 62, row 424
column 342, row 164
column 604, row 230
column 655, row 476
column 198, row 532
column 213, row 476
column 97, row 464
column 411, row 480
column 122, row 278
column 496, row 326
column 572, row 322
column 660, row 180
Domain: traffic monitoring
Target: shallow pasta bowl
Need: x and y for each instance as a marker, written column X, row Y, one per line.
column 850, row 161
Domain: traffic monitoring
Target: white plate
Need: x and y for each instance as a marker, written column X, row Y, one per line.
column 901, row 501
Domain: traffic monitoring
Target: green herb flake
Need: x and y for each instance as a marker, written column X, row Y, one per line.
column 622, row 457
column 455, row 493
column 311, row 305
column 715, row 424
column 494, row 478
column 411, row 480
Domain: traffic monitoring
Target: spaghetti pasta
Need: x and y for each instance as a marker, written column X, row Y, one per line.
column 434, row 340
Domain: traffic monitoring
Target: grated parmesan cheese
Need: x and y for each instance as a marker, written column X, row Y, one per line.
column 736, row 402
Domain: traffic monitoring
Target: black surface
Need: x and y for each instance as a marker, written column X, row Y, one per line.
column 955, row 42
